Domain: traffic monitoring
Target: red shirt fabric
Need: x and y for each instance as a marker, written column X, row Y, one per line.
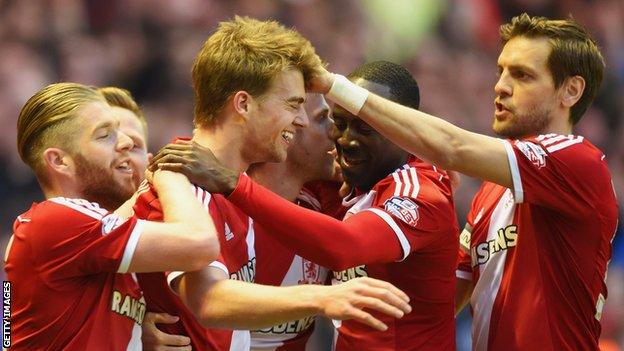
column 278, row 265
column 67, row 262
column 403, row 231
column 237, row 260
column 538, row 254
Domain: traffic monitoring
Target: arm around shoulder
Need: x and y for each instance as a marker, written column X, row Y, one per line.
column 186, row 240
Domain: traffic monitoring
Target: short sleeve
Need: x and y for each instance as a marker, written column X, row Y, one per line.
column 558, row 172
column 417, row 205
column 72, row 237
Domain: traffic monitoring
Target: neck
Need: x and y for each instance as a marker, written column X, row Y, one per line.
column 559, row 124
column 60, row 188
column 225, row 142
column 278, row 178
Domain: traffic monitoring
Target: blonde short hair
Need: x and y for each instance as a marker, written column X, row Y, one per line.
column 244, row 54
column 44, row 121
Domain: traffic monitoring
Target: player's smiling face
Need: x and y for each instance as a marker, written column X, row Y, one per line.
column 274, row 118
column 130, row 125
column 364, row 155
column 101, row 157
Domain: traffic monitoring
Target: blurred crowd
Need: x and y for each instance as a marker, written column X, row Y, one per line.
column 147, row 47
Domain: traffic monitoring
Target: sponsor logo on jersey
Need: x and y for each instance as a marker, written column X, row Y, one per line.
column 311, row 272
column 292, row 327
column 128, row 306
column 246, row 273
column 464, row 238
column 351, row 273
column 404, row 209
column 111, row 222
column 505, row 238
column 533, row 152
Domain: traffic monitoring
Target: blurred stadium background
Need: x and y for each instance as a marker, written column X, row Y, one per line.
column 147, row 46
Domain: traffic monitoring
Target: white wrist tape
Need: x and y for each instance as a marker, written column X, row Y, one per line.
column 347, row 94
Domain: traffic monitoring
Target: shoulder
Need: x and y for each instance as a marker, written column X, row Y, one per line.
column 75, row 208
column 60, row 217
column 573, row 150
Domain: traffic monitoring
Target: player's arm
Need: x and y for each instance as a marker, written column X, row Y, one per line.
column 364, row 238
column 463, row 292
column 429, row 137
column 186, row 240
column 220, row 302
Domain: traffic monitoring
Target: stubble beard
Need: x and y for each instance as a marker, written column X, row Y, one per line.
column 534, row 122
column 98, row 184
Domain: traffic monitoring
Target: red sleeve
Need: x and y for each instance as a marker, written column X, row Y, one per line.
column 329, row 242
column 362, row 238
column 417, row 204
column 71, row 237
column 562, row 173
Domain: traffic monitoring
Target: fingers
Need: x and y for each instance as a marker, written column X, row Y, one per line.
column 385, row 285
column 168, row 158
column 366, row 318
column 172, row 348
column 378, row 305
column 162, row 318
column 165, row 339
column 175, row 167
column 156, row 340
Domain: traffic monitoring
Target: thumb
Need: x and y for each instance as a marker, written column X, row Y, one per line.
column 165, row 318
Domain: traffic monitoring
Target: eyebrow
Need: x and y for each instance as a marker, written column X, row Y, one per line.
column 517, row 67
column 297, row 99
column 102, row 125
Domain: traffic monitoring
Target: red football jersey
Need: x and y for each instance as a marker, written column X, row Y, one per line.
column 279, row 266
column 237, row 260
column 538, row 254
column 409, row 226
column 67, row 261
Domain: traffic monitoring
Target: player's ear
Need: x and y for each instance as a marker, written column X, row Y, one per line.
column 242, row 103
column 572, row 90
column 58, row 161
column 150, row 156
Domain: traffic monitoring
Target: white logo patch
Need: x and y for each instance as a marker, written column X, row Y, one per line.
column 111, row 222
column 403, row 208
column 533, row 152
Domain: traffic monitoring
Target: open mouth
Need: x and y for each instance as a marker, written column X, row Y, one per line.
column 287, row 136
column 350, row 161
column 124, row 167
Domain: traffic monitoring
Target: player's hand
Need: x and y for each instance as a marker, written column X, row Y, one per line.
column 198, row 163
column 155, row 340
column 321, row 81
column 350, row 300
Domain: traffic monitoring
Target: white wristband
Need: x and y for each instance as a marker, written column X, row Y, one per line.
column 347, row 94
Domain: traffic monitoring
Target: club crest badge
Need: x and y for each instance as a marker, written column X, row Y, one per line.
column 311, row 272
column 404, row 209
